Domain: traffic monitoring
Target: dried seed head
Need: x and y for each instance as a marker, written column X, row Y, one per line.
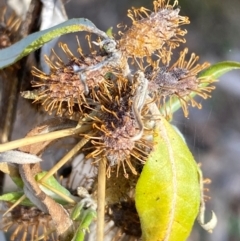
column 63, row 87
column 179, row 81
column 58, row 89
column 28, row 223
column 8, row 28
column 151, row 30
column 116, row 125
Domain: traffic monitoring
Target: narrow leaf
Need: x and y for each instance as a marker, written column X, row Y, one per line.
column 217, row 70
column 12, row 197
column 55, row 185
column 36, row 40
column 168, row 190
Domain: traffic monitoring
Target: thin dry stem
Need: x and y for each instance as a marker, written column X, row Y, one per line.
column 64, row 160
column 101, row 199
column 15, row 204
column 59, row 193
column 39, row 138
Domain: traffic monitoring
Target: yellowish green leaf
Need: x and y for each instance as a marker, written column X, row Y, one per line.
column 168, row 190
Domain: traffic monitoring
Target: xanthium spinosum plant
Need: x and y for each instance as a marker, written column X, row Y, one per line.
column 114, row 105
column 116, row 101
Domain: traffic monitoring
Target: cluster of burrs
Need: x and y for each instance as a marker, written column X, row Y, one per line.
column 111, row 96
column 103, row 92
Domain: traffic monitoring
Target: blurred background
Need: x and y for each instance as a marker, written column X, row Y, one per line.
column 213, row 133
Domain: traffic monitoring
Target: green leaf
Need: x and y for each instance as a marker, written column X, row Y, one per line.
column 87, row 218
column 168, row 191
column 217, row 70
column 55, row 185
column 77, row 210
column 12, row 197
column 36, row 40
column 51, row 182
column 213, row 72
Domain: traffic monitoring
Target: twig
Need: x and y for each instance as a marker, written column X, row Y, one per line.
column 101, row 199
column 59, row 193
column 39, row 138
column 66, row 158
column 15, row 204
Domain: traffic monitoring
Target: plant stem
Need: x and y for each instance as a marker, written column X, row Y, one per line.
column 66, row 158
column 101, row 199
column 59, row 193
column 15, row 204
column 39, row 138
